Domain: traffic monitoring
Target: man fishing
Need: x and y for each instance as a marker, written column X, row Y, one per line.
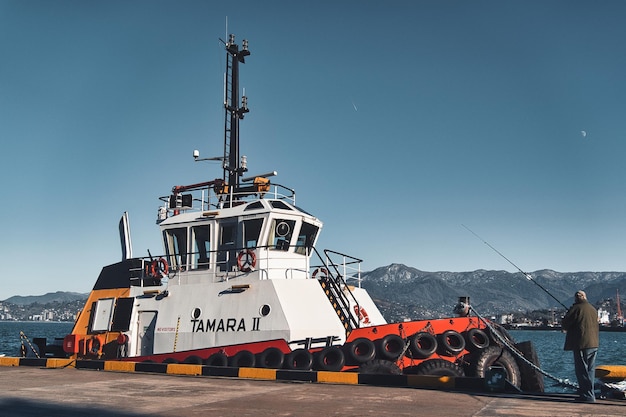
column 581, row 324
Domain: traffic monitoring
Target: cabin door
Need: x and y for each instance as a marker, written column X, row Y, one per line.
column 145, row 333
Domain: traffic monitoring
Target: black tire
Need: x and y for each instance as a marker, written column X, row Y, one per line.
column 217, row 359
column 242, row 359
column 300, row 359
column 476, row 339
column 495, row 356
column 439, row 367
column 532, row 379
column 271, row 357
column 330, row 358
column 450, row 343
column 193, row 360
column 170, row 360
column 360, row 350
column 390, row 347
column 422, row 345
column 380, row 367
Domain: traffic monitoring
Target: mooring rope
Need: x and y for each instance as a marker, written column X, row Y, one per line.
column 516, row 352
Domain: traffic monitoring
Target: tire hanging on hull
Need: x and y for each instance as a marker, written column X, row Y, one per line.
column 476, row 339
column 330, row 358
column 439, row 367
column 242, row 359
column 271, row 357
column 217, row 359
column 451, row 343
column 422, row 345
column 299, row 359
column 495, row 356
column 380, row 367
column 360, row 350
column 389, row 347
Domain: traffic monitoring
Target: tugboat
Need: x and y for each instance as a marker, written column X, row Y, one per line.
column 241, row 283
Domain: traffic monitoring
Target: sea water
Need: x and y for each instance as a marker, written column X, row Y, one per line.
column 559, row 363
column 10, row 341
column 548, row 344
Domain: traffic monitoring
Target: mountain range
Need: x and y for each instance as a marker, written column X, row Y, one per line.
column 403, row 292
column 51, row 297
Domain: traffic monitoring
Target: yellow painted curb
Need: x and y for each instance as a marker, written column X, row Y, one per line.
column 184, row 369
column 60, row 363
column 338, row 377
column 119, row 366
column 257, row 373
column 9, row 361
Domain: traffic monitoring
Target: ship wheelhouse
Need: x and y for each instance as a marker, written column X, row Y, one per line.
column 265, row 235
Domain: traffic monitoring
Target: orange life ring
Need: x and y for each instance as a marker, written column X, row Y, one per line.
column 159, row 268
column 246, row 260
column 322, row 271
column 363, row 316
column 94, row 346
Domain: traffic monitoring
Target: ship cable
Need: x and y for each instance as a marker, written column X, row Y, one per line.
column 527, row 275
column 560, row 381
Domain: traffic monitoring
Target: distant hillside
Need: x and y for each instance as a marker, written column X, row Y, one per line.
column 51, row 297
column 403, row 292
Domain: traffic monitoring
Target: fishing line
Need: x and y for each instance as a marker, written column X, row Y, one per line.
column 527, row 275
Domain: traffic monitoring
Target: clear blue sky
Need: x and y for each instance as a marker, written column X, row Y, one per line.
column 395, row 121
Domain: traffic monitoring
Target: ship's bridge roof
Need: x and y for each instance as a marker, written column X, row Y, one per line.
column 243, row 208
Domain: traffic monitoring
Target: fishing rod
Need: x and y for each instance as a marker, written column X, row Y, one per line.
column 527, row 275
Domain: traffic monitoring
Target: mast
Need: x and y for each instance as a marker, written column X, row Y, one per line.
column 234, row 112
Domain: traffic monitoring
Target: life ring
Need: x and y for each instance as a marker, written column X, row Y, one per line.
column 361, row 350
column 422, row 345
column 451, row 343
column 94, row 346
column 360, row 311
column 330, row 358
column 158, row 268
column 246, row 260
column 323, row 273
column 390, row 347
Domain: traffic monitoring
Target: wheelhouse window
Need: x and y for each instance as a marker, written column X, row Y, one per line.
column 176, row 246
column 251, row 232
column 226, row 257
column 280, row 234
column 201, row 238
column 306, row 237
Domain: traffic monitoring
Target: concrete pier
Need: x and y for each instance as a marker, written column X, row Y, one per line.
column 55, row 392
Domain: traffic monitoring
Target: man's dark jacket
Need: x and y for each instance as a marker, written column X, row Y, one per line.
column 581, row 324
